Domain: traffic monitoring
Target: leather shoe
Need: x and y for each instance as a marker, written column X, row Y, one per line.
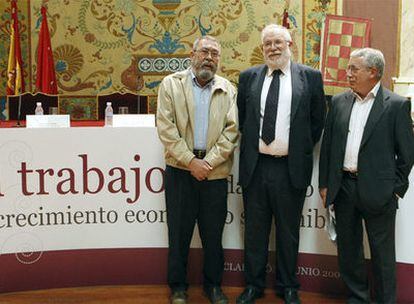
column 291, row 296
column 280, row 292
column 249, row 295
column 179, row 297
column 216, row 295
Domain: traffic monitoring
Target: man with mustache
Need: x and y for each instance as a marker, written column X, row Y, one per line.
column 197, row 124
column 281, row 114
column 367, row 153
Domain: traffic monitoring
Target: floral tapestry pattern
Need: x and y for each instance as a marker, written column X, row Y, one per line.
column 102, row 46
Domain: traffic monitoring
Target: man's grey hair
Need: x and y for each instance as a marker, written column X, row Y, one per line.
column 277, row 29
column 372, row 58
column 206, row 37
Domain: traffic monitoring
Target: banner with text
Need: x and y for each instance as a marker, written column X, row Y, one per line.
column 65, row 190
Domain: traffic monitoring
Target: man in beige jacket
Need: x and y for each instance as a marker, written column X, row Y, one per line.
column 197, row 124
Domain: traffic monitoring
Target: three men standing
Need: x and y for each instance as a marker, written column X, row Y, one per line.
column 197, row 124
column 366, row 156
column 281, row 113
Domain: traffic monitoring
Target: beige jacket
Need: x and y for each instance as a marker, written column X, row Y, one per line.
column 175, row 123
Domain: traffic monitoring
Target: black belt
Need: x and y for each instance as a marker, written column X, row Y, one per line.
column 349, row 174
column 199, row 153
column 274, row 156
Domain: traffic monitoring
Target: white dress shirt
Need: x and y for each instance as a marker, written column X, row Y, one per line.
column 280, row 145
column 358, row 120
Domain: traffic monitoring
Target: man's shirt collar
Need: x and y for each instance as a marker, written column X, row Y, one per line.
column 285, row 70
column 372, row 94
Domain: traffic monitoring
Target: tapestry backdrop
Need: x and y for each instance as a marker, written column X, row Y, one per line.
column 102, row 46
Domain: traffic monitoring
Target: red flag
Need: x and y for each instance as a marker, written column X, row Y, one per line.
column 15, row 81
column 45, row 77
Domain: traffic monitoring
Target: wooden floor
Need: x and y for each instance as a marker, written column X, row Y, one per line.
column 140, row 295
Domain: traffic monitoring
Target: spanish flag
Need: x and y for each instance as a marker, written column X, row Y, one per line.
column 15, row 81
column 45, row 76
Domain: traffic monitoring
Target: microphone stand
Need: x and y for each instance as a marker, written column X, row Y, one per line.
column 138, row 100
column 19, row 111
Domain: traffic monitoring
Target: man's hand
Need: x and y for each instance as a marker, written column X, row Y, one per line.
column 199, row 168
column 322, row 193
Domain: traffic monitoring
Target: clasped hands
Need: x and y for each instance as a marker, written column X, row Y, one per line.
column 322, row 193
column 199, row 168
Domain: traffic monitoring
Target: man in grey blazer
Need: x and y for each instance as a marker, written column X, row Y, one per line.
column 366, row 156
column 281, row 115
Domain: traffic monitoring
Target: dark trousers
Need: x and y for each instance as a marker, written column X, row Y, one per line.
column 271, row 194
column 189, row 201
column 381, row 237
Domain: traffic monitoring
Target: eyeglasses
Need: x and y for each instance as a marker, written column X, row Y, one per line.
column 354, row 69
column 277, row 43
column 205, row 52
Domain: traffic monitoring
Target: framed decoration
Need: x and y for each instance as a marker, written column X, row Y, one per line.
column 341, row 35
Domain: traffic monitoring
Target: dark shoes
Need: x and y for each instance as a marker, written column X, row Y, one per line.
column 216, row 295
column 249, row 295
column 179, row 297
column 291, row 296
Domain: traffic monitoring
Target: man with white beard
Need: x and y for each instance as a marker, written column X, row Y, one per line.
column 197, row 124
column 281, row 115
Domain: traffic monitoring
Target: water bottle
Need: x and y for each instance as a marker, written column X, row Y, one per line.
column 39, row 109
column 109, row 114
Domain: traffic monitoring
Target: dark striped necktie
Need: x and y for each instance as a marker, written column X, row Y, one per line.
column 270, row 113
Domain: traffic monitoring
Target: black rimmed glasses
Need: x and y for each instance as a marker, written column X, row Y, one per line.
column 205, row 52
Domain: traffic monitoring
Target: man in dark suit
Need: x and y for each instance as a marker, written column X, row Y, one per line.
column 281, row 115
column 366, row 156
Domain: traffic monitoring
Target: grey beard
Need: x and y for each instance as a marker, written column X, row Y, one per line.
column 205, row 74
column 280, row 62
